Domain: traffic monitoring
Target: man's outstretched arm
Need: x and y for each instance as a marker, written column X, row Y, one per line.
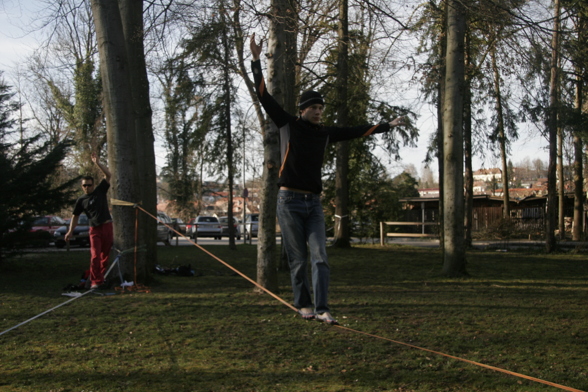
column 102, row 167
column 278, row 115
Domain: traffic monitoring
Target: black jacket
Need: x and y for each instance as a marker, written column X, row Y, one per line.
column 302, row 143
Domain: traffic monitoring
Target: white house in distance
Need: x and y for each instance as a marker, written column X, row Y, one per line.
column 429, row 192
column 488, row 175
column 481, row 179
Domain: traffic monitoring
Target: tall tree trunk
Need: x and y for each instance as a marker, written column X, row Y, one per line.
column 442, row 48
column 280, row 81
column 561, row 184
column 227, row 118
column 501, row 136
column 132, row 18
column 230, row 180
column 440, row 160
column 341, row 229
column 454, row 263
column 561, row 190
column 467, row 135
column 551, row 208
column 120, row 123
column 578, row 169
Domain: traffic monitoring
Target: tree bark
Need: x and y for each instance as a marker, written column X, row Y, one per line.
column 501, row 136
column 467, row 135
column 228, row 131
column 551, row 207
column 132, row 18
column 577, row 229
column 341, row 229
column 120, row 123
column 280, row 82
column 561, row 190
column 454, row 263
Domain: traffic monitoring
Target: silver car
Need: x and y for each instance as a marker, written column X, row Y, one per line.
column 224, row 220
column 251, row 225
column 164, row 234
column 207, row 226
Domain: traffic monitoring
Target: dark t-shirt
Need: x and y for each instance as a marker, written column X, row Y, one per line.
column 95, row 205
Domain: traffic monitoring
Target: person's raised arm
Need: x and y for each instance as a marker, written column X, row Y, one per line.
column 102, row 167
column 274, row 110
column 255, row 48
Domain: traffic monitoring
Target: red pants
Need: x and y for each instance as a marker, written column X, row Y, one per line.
column 100, row 243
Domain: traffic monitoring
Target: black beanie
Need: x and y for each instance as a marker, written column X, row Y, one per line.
column 309, row 98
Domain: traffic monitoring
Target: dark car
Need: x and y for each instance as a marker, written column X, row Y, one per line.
column 224, row 220
column 81, row 234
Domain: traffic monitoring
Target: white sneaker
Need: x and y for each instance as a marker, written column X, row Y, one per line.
column 327, row 318
column 306, row 313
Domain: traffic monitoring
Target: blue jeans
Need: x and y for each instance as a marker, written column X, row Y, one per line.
column 303, row 230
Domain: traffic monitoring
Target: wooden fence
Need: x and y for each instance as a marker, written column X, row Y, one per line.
column 424, row 223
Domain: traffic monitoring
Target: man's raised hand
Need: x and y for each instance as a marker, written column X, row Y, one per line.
column 397, row 121
column 255, row 49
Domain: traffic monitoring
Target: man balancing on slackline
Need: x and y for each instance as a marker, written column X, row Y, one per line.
column 303, row 140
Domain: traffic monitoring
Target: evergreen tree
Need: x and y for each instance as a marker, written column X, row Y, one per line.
column 360, row 109
column 212, row 48
column 183, row 108
column 84, row 115
column 26, row 174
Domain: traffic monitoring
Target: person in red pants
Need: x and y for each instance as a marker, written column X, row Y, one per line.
column 95, row 205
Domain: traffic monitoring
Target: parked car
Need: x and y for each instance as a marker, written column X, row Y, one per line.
column 224, row 220
column 207, row 226
column 178, row 226
column 36, row 232
column 48, row 223
column 81, row 234
column 189, row 226
column 251, row 225
column 163, row 233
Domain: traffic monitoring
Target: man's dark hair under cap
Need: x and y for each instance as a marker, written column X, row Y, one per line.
column 309, row 98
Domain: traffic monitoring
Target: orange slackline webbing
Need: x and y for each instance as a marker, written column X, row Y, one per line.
column 563, row 387
column 223, row 262
column 465, row 360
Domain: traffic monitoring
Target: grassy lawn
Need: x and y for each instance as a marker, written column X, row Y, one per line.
column 519, row 311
